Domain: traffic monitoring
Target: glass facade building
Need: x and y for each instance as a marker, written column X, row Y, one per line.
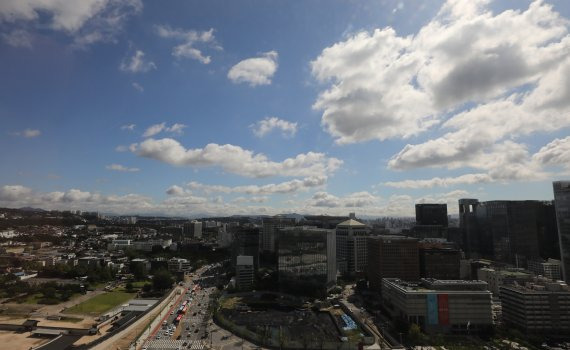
column 562, row 207
column 306, row 259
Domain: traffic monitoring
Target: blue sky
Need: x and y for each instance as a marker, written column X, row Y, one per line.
column 238, row 107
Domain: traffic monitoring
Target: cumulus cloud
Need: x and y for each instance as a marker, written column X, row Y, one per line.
column 353, row 200
column 384, row 86
column 137, row 63
column 14, row 192
column 556, row 153
column 189, row 40
column 86, row 21
column 235, row 160
column 292, row 186
column 121, row 168
column 467, row 179
column 261, row 199
column 181, row 201
column 152, row 130
column 255, row 71
column 175, row 190
column 267, row 125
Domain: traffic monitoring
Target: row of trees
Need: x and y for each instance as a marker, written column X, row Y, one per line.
column 50, row 293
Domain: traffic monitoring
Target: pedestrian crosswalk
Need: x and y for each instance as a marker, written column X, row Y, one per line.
column 168, row 344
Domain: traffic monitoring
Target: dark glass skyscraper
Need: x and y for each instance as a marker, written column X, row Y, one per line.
column 306, row 259
column 431, row 214
column 562, row 207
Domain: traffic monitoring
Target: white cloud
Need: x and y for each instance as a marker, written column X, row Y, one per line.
column 181, row 202
column 388, row 86
column 28, row 133
column 121, row 168
column 121, row 148
column 189, row 39
column 87, row 21
column 353, row 200
column 137, row 63
column 137, row 87
column 18, row 38
column 129, row 127
column 255, row 71
column 292, row 186
column 175, row 190
column 154, row 129
column 14, row 192
column 261, row 199
column 556, row 153
column 467, row 179
column 235, row 160
column 176, row 128
column 267, row 125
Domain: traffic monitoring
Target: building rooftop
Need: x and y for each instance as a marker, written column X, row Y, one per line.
column 433, row 285
column 244, row 260
column 351, row 223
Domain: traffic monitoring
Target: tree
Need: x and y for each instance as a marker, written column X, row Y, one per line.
column 162, row 280
column 414, row 333
column 147, row 287
column 139, row 271
column 49, row 292
column 129, row 287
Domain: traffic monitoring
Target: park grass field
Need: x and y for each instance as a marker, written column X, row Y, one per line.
column 100, row 304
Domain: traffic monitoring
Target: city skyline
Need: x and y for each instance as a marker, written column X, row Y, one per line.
column 219, row 108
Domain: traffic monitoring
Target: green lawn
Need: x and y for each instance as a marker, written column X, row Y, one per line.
column 100, row 303
column 139, row 284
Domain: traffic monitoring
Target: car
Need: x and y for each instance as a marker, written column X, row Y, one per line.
column 172, row 312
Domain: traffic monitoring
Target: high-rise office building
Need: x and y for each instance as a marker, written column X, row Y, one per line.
column 392, row 257
column 270, row 227
column 562, row 208
column 431, row 214
column 245, row 272
column 351, row 252
column 306, row 259
column 469, row 227
column 246, row 242
column 193, row 229
column 505, row 231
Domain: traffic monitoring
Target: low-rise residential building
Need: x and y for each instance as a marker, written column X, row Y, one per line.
column 541, row 306
column 147, row 245
column 178, row 265
column 119, row 244
column 550, row 268
column 440, row 306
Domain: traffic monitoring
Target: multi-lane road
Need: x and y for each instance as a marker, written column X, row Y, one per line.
column 186, row 324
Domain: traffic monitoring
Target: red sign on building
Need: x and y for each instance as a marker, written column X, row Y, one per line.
column 443, row 309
